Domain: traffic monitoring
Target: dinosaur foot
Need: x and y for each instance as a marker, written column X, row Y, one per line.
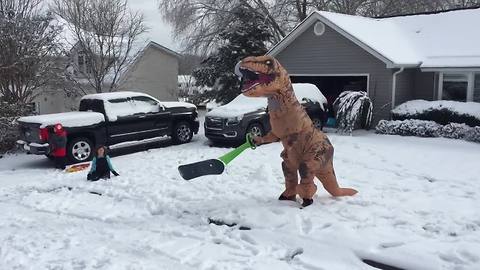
column 307, row 202
column 287, row 198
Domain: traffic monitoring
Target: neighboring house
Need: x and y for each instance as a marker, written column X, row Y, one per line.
column 425, row 56
column 154, row 72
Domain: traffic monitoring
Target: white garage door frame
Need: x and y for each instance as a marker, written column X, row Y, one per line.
column 337, row 75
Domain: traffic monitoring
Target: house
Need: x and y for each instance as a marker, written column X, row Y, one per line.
column 154, row 71
column 430, row 56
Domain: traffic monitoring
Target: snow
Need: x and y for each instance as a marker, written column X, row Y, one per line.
column 309, row 92
column 419, row 106
column 68, row 119
column 428, row 41
column 239, row 106
column 417, row 209
column 172, row 104
column 116, row 95
column 242, row 105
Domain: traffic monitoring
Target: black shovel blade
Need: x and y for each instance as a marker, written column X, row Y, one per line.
column 197, row 169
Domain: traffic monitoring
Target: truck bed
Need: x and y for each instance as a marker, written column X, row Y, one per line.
column 68, row 119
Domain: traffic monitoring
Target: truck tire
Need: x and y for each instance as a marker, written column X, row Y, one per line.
column 317, row 123
column 182, row 133
column 80, row 149
column 256, row 129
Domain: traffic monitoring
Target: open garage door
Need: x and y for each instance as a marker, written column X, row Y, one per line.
column 332, row 85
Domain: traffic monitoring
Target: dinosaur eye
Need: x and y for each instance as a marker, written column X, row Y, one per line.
column 268, row 62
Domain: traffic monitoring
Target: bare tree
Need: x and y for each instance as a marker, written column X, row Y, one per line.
column 375, row 8
column 105, row 32
column 198, row 23
column 28, row 50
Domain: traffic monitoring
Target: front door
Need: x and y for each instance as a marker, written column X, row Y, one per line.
column 124, row 121
column 155, row 117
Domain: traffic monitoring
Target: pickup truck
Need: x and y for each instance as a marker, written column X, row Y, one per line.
column 108, row 119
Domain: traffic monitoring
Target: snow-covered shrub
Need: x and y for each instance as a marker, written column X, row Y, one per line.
column 9, row 132
column 442, row 111
column 422, row 128
column 473, row 135
column 353, row 110
column 418, row 128
column 455, row 131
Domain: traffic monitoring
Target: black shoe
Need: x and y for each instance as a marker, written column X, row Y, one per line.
column 285, row 198
column 307, row 202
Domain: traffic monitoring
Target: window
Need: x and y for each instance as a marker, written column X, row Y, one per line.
column 84, row 63
column 476, row 88
column 455, row 86
column 319, row 28
column 145, row 105
column 459, row 86
column 118, row 108
column 91, row 105
column 81, row 62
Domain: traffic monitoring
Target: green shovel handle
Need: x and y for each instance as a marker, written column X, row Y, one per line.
column 228, row 157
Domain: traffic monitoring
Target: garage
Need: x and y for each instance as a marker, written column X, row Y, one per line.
column 332, row 85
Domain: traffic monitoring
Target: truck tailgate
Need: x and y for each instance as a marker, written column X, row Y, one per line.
column 30, row 132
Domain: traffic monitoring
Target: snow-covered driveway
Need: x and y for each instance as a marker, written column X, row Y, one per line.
column 418, row 208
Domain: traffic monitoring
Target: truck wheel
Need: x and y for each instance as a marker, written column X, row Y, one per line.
column 80, row 150
column 256, row 130
column 182, row 133
column 317, row 123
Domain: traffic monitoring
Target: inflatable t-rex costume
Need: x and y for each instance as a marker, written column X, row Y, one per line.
column 306, row 149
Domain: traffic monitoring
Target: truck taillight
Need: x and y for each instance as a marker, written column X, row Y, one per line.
column 43, row 135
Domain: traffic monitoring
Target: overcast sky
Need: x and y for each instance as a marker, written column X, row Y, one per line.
column 159, row 31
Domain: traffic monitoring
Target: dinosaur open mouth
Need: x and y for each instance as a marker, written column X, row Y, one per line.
column 251, row 78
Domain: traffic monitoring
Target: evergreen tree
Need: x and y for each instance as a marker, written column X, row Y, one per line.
column 245, row 36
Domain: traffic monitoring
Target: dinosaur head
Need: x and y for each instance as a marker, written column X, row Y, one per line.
column 262, row 76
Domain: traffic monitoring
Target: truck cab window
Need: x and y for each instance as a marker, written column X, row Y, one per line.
column 144, row 104
column 91, row 105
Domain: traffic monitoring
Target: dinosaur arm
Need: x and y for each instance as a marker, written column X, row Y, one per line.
column 269, row 138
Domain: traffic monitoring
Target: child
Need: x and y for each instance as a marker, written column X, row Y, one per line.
column 101, row 166
column 58, row 146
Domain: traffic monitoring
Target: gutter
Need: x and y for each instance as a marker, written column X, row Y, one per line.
column 394, row 85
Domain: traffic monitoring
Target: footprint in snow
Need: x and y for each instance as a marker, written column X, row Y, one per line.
column 304, row 224
column 391, row 244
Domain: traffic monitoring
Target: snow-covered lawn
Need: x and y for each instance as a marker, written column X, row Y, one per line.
column 418, row 208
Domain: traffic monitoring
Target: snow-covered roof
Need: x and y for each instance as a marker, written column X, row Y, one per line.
column 440, row 40
column 115, row 95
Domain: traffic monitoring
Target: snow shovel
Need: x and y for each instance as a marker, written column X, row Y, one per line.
column 214, row 166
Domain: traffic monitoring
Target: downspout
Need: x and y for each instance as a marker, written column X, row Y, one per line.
column 394, row 85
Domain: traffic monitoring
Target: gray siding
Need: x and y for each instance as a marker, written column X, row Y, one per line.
column 332, row 53
column 405, row 86
column 415, row 84
column 154, row 73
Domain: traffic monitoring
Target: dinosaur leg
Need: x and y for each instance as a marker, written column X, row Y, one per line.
column 329, row 182
column 291, row 182
column 289, row 169
column 307, row 187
